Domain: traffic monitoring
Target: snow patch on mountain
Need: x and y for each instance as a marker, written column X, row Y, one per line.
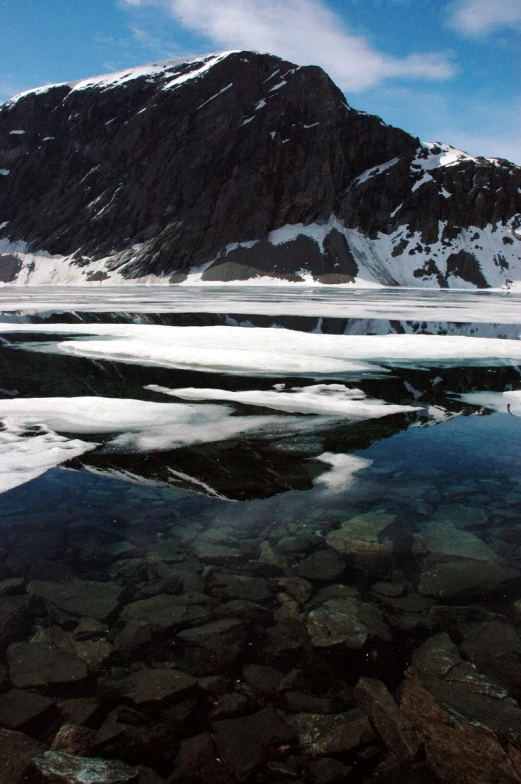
column 167, row 70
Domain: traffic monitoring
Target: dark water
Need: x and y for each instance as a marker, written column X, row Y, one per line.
column 247, row 565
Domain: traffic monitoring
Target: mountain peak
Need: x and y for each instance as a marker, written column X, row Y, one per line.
column 241, row 166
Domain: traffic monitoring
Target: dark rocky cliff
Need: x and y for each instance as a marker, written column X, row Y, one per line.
column 241, row 165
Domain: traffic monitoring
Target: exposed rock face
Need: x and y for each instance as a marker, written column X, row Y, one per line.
column 250, row 166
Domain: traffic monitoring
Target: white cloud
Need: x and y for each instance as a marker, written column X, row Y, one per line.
column 304, row 31
column 480, row 17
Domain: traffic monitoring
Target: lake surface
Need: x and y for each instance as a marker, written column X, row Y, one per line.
column 271, row 492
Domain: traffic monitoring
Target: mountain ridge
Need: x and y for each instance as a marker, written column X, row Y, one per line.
column 239, row 166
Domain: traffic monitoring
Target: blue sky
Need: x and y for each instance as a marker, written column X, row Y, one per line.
column 445, row 70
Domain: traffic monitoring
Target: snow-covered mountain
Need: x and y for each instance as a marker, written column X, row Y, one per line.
column 240, row 166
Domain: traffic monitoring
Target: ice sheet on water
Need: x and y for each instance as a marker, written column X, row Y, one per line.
column 30, row 443
column 264, row 351
column 327, row 399
column 288, row 300
column 507, row 402
column 27, row 453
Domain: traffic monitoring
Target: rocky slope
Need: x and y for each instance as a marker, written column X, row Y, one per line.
column 241, row 166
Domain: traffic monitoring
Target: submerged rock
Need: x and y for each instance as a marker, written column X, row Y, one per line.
column 163, row 612
column 495, row 648
column 215, row 646
column 250, row 741
column 16, row 751
column 152, row 688
column 55, row 767
column 199, row 763
column 86, row 598
column 322, row 565
column 346, row 621
column 37, row 664
column 74, row 739
column 444, row 542
column 321, row 735
column 362, row 538
column 463, row 578
column 19, row 709
column 399, row 736
column 471, row 728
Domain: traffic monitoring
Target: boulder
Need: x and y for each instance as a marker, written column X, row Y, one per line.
column 471, row 728
column 79, row 597
column 322, row 565
column 198, row 762
column 346, row 621
column 376, row 701
column 250, row 741
column 37, row 664
column 21, row 709
column 363, row 540
column 321, row 735
column 151, row 688
column 163, row 612
column 215, row 646
column 16, row 751
column 463, row 579
column 55, row 767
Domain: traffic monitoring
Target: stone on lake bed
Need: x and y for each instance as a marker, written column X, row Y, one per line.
column 152, row 688
column 16, row 751
column 442, row 541
column 348, row 621
column 199, row 763
column 376, row 701
column 163, row 612
column 78, row 597
column 322, row 565
column 55, row 767
column 249, row 741
column 471, row 728
column 37, row 664
column 463, row 579
column 19, row 708
column 217, row 645
column 217, row 553
column 321, row 735
column 362, row 538
column 460, row 515
column 74, row 739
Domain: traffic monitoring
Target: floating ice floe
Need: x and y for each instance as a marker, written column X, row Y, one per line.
column 26, row 453
column 327, row 399
column 507, row 402
column 30, row 444
column 264, row 351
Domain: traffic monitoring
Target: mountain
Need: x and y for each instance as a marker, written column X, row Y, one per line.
column 241, row 166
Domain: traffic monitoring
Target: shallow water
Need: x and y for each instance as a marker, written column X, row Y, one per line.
column 251, row 513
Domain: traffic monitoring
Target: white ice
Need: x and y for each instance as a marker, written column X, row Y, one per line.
column 24, row 457
column 261, row 351
column 506, row 402
column 328, row 399
column 435, row 306
column 137, row 426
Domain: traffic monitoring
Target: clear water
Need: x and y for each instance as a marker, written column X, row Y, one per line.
column 448, row 475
